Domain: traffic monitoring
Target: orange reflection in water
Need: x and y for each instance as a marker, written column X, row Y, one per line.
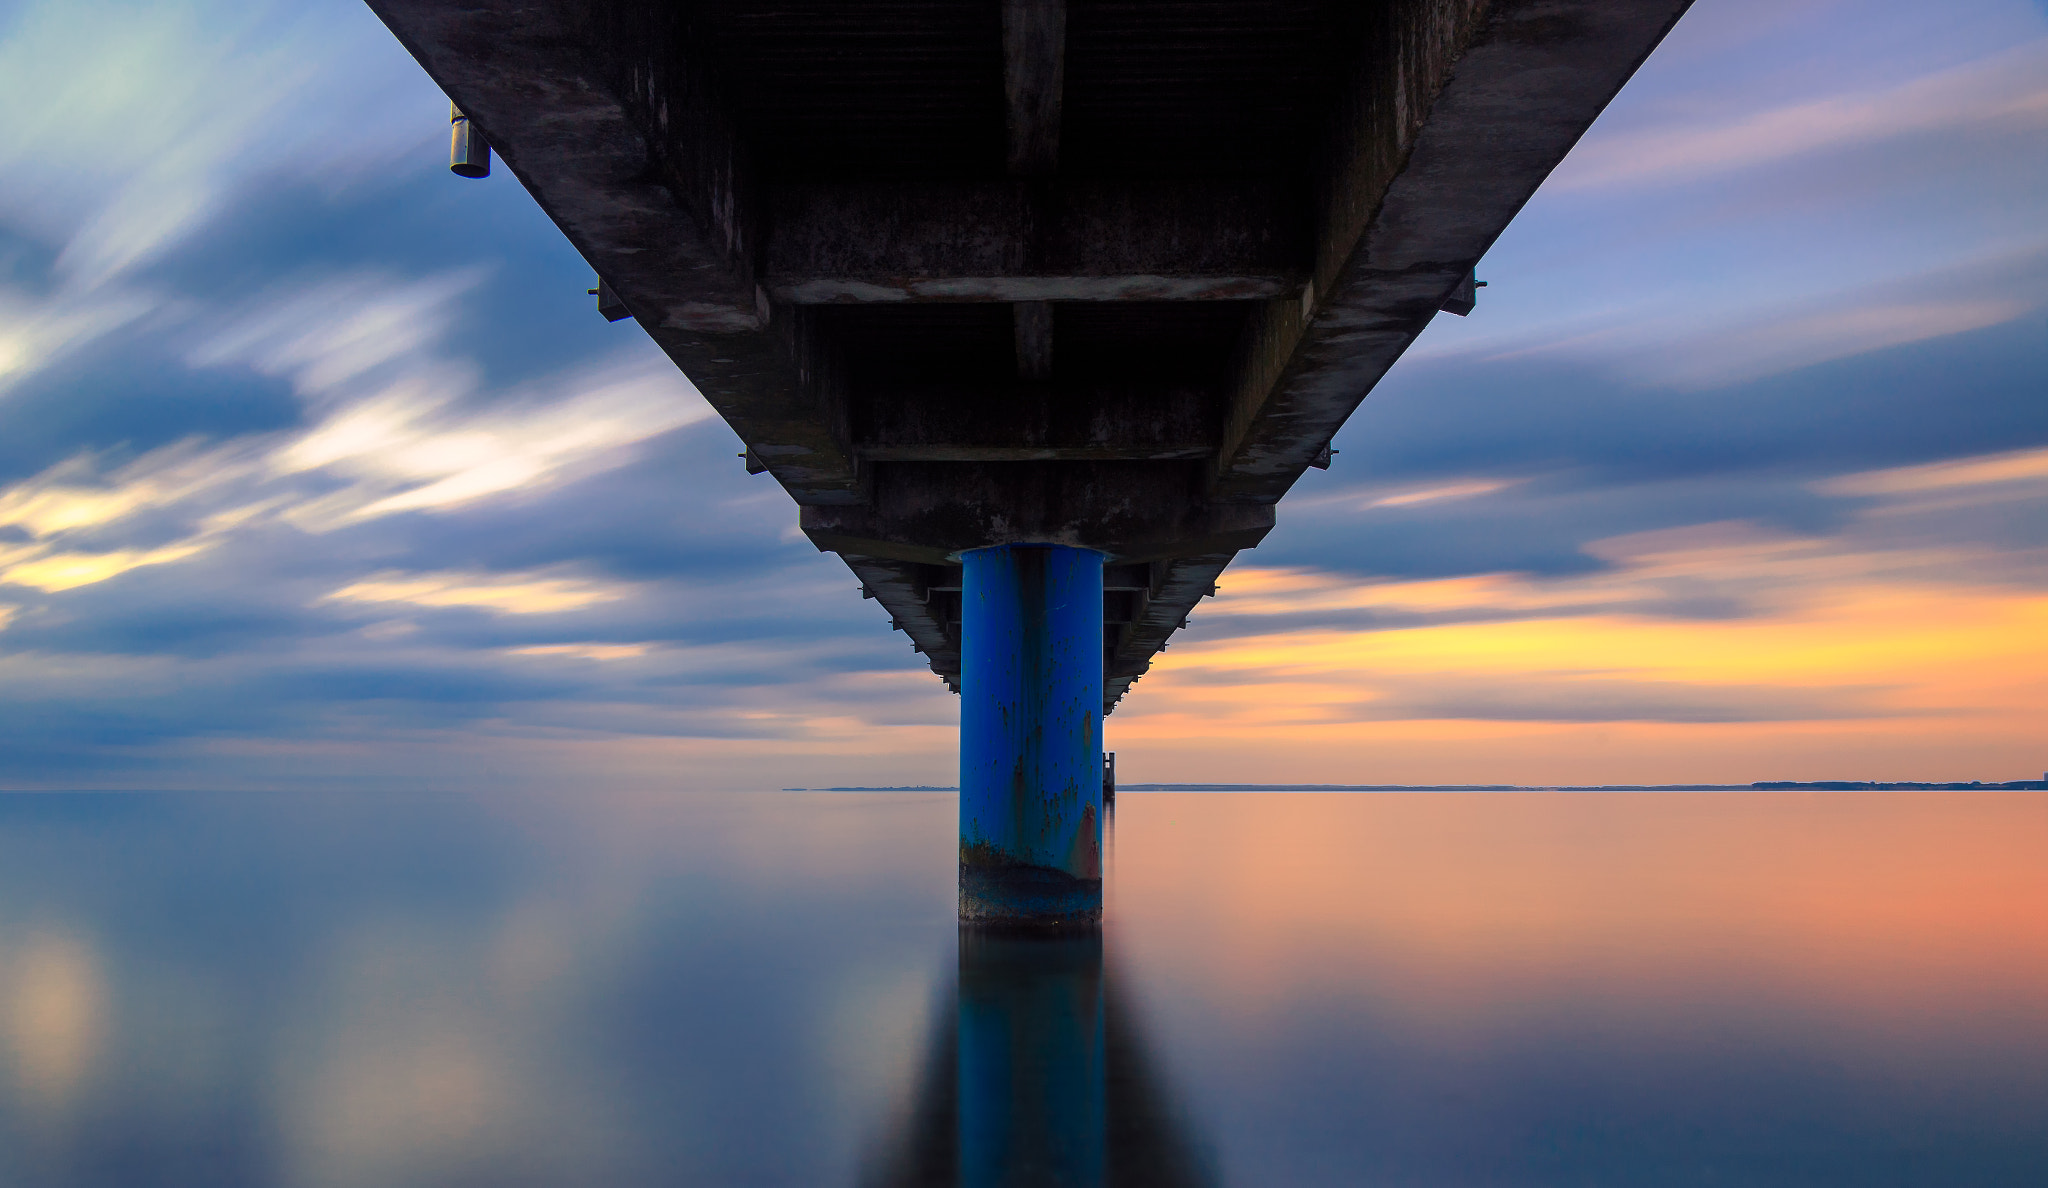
column 1446, row 904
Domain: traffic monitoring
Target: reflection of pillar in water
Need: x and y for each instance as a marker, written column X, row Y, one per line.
column 1037, row 1076
column 1032, row 1070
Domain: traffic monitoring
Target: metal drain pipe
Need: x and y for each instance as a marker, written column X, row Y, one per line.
column 469, row 154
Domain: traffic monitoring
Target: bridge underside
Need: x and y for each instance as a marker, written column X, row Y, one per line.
column 1102, row 273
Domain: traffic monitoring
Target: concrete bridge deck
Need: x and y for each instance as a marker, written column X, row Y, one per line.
column 1102, row 273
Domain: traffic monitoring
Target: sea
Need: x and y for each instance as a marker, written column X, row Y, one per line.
column 1479, row 988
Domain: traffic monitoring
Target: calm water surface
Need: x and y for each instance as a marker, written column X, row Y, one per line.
column 1314, row 989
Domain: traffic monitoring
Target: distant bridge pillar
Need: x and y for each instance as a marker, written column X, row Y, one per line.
column 1031, row 736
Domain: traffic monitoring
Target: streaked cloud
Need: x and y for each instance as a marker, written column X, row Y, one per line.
column 38, row 330
column 1771, row 346
column 402, row 417
column 132, row 123
column 512, row 594
column 1702, row 349
column 2008, row 89
column 71, row 505
column 55, row 571
column 1372, row 499
column 327, row 334
column 584, row 651
column 73, row 495
column 413, row 448
column 2015, row 467
column 1584, row 698
column 396, row 424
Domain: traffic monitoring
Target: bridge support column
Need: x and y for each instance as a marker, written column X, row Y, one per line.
column 1031, row 736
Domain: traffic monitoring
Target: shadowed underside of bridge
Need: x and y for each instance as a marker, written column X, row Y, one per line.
column 1101, row 273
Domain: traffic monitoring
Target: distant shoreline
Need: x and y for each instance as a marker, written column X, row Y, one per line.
column 1759, row 786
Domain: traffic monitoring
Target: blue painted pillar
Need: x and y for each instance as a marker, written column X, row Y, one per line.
column 1031, row 736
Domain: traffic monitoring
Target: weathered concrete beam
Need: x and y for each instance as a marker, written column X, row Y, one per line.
column 1464, row 298
column 1211, row 240
column 932, row 512
column 607, row 117
column 1033, row 323
column 1142, row 286
column 1122, row 606
column 1165, row 452
column 1133, row 577
column 1457, row 112
column 1034, row 82
column 1180, row 584
column 901, row 587
column 1442, row 118
column 1102, row 421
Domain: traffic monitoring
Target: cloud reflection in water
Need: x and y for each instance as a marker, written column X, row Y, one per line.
column 1526, row 990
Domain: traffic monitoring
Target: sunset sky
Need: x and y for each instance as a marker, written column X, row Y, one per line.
column 318, row 469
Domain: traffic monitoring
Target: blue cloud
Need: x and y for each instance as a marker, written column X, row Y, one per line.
column 129, row 399
column 1594, row 456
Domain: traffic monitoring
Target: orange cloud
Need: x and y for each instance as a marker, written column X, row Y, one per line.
column 2016, row 466
column 1827, row 658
